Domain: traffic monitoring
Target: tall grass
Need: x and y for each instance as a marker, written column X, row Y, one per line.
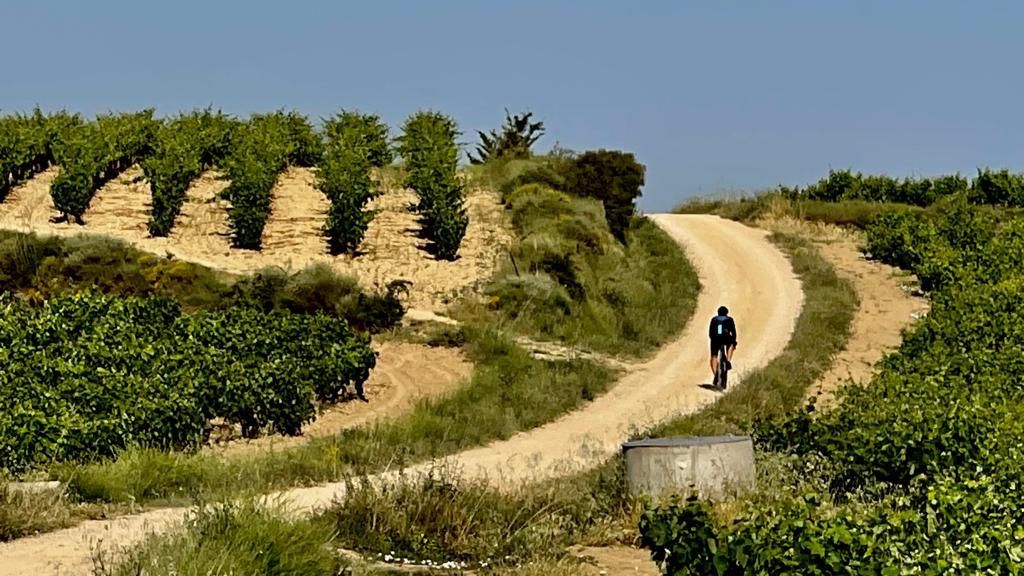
column 24, row 513
column 437, row 517
column 222, row 539
column 569, row 279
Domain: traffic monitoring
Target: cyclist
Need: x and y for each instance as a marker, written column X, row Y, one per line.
column 722, row 332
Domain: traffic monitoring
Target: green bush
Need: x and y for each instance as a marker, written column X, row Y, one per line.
column 86, row 375
column 353, row 146
column 26, row 146
column 431, row 157
column 612, row 177
column 261, row 150
column 40, row 268
column 365, row 131
column 318, row 289
column 899, row 238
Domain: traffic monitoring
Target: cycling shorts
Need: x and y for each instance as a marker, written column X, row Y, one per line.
column 717, row 344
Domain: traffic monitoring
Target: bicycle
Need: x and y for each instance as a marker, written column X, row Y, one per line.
column 722, row 374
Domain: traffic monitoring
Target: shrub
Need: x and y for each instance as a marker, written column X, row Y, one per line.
column 363, row 131
column 899, row 238
column 517, row 137
column 571, row 280
column 431, row 156
column 353, row 146
column 260, row 152
column 318, row 289
column 24, row 149
column 87, row 375
column 612, row 177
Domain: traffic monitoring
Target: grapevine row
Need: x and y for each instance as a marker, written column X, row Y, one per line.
column 91, row 154
column 355, row 143
column 431, row 156
column 184, row 148
column 999, row 188
column 261, row 150
column 26, row 145
column 87, row 375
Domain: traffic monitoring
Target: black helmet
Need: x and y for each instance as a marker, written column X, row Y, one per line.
column 723, row 311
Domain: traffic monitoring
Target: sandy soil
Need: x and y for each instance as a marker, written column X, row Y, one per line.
column 292, row 238
column 404, row 374
column 617, row 561
column 886, row 307
column 736, row 264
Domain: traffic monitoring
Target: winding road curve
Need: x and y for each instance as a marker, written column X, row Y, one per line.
column 737, row 266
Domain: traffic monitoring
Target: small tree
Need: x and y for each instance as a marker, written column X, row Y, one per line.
column 517, row 137
column 614, row 178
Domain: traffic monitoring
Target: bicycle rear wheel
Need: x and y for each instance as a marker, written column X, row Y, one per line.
column 723, row 369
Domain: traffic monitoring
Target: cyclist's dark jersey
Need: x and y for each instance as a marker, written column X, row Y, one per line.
column 722, row 332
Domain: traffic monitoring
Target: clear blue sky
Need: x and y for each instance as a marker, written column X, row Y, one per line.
column 711, row 96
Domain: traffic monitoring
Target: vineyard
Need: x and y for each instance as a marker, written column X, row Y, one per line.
column 918, row 471
column 999, row 188
column 270, row 190
column 88, row 374
column 106, row 347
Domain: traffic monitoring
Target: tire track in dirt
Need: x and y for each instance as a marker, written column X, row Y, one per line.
column 884, row 310
column 737, row 266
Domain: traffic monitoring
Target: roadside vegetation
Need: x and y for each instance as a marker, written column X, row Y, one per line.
column 914, row 472
column 619, row 276
column 439, row 518
column 844, row 198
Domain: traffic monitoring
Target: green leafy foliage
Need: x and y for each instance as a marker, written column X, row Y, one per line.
column 26, row 145
column 517, row 137
column 612, row 177
column 999, row 188
column 353, row 146
column 261, row 150
column 92, row 154
column 184, row 147
column 431, row 156
column 363, row 131
column 89, row 374
column 918, row 471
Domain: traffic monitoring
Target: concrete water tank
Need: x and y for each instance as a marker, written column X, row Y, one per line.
column 712, row 466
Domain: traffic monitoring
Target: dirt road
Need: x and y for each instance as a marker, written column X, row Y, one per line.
column 737, row 267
